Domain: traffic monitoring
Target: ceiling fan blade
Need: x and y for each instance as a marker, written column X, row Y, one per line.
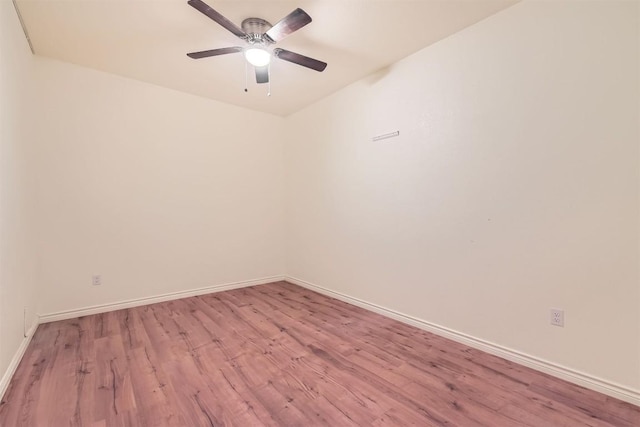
column 262, row 74
column 214, row 52
column 216, row 16
column 296, row 58
column 287, row 25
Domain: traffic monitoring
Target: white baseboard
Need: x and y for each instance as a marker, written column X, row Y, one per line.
column 588, row 381
column 15, row 361
column 103, row 308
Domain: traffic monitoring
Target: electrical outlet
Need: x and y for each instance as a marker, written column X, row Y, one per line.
column 96, row 280
column 557, row 317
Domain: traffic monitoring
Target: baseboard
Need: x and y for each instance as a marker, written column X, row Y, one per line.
column 17, row 357
column 103, row 308
column 588, row 381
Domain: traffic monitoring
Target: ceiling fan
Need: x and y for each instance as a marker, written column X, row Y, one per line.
column 259, row 36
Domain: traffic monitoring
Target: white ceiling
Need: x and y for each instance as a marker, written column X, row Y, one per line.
column 148, row 40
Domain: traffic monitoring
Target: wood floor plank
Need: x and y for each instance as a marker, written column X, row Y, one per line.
column 279, row 355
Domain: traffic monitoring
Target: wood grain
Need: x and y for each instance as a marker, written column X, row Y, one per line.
column 279, row 355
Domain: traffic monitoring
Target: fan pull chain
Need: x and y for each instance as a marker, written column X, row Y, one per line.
column 246, row 81
column 269, row 74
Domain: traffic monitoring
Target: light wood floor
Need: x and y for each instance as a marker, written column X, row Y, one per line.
column 281, row 355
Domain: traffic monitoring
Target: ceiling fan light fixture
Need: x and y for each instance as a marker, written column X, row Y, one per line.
column 257, row 56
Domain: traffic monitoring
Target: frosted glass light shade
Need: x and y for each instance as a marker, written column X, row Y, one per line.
column 257, row 56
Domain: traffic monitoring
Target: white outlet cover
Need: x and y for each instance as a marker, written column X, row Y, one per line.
column 557, row 317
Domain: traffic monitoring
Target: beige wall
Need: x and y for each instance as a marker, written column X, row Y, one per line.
column 17, row 192
column 155, row 190
column 512, row 188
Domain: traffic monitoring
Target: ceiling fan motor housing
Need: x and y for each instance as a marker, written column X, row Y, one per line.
column 255, row 28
